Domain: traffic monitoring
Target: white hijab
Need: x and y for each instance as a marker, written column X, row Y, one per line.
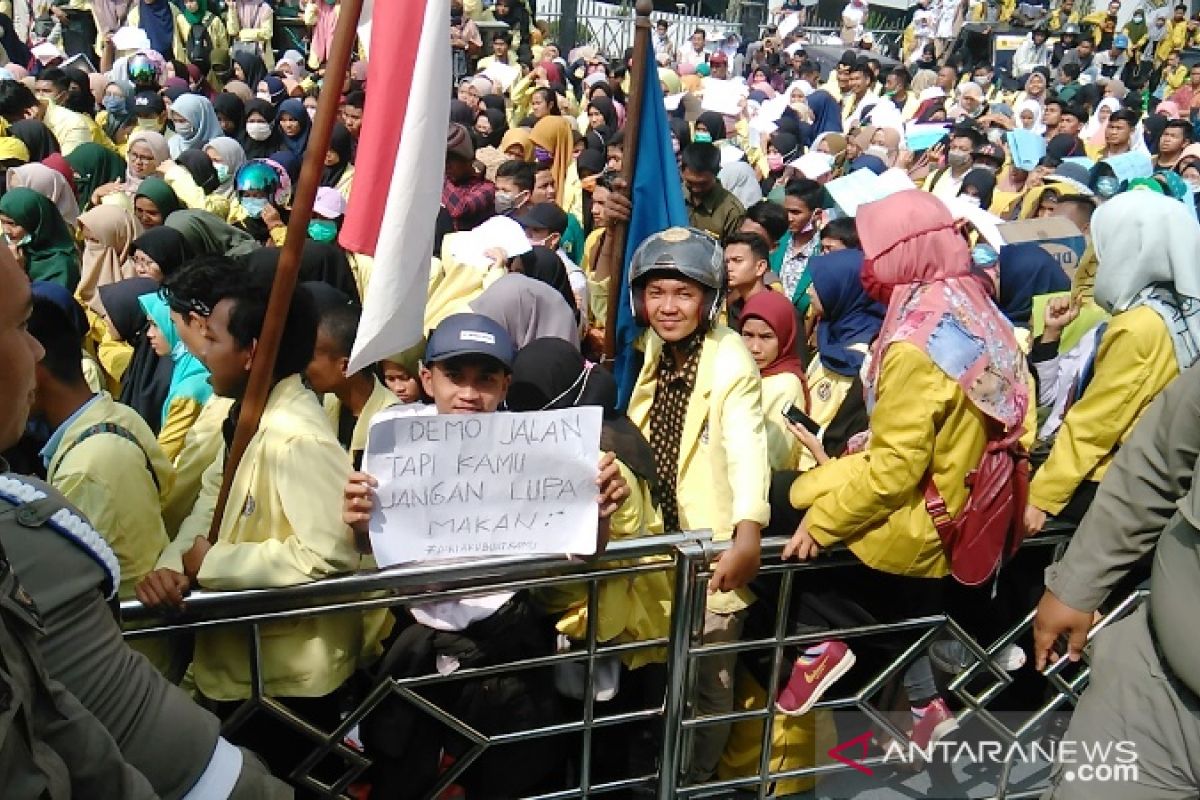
column 1146, row 245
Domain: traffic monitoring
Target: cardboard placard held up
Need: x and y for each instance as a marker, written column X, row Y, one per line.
column 461, row 486
column 1058, row 236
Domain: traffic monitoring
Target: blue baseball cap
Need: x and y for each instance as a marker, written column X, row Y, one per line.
column 470, row 335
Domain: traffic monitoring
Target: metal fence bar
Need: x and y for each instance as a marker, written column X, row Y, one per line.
column 690, row 556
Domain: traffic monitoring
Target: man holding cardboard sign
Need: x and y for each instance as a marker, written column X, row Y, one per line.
column 467, row 371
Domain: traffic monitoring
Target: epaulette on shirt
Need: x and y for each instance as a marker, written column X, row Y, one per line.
column 64, row 521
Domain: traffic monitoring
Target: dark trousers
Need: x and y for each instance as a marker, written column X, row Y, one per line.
column 280, row 746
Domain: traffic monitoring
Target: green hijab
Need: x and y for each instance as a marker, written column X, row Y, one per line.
column 189, row 378
column 50, row 253
column 207, row 234
column 196, row 18
column 157, row 191
column 94, row 165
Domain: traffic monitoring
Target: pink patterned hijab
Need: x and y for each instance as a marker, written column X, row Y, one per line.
column 919, row 264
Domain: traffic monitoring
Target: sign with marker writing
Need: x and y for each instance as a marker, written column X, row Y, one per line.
column 463, row 486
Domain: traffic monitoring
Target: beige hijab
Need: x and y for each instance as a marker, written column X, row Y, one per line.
column 49, row 183
column 105, row 260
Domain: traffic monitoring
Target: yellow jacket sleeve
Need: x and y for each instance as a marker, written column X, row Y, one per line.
column 900, row 452
column 1134, row 362
column 192, row 196
column 181, row 415
column 197, row 522
column 780, row 391
column 309, row 476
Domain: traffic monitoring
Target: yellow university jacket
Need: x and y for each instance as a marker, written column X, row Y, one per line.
column 630, row 608
column 724, row 476
column 282, row 526
column 380, row 399
column 119, row 485
column 780, row 391
column 871, row 501
column 201, row 447
column 1135, row 360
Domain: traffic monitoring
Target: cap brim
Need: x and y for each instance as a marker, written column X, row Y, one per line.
column 466, row 350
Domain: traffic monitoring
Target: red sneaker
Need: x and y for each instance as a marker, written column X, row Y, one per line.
column 811, row 679
column 935, row 723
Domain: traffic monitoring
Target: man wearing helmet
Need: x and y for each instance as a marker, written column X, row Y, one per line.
column 698, row 400
column 263, row 190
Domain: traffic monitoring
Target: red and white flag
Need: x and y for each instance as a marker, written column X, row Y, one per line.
column 399, row 170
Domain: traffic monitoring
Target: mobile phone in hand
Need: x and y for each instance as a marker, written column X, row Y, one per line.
column 798, row 417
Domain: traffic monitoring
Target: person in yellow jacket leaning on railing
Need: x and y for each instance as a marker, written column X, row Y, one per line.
column 931, row 416
column 282, row 525
column 698, row 400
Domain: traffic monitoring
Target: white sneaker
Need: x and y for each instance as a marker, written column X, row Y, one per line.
column 953, row 657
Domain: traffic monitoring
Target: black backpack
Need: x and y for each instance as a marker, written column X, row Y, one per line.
column 200, row 45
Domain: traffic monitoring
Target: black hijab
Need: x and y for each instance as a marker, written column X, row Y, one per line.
column 147, row 379
column 252, row 66
column 499, row 126
column 550, row 373
column 714, row 123
column 342, row 144
column 608, row 110
column 543, row 264
column 319, row 261
column 230, row 106
column 253, row 147
column 165, row 245
column 200, row 166
column 36, row 136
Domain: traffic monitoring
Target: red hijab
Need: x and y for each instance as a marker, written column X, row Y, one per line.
column 775, row 310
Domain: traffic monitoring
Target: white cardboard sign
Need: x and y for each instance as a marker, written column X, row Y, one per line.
column 460, row 486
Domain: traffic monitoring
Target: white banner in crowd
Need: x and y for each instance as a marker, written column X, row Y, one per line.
column 460, row 486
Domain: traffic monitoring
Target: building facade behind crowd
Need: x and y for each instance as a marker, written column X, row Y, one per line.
column 827, row 350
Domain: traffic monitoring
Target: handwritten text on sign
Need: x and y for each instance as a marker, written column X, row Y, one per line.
column 457, row 486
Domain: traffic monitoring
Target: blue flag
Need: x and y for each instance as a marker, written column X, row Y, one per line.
column 657, row 195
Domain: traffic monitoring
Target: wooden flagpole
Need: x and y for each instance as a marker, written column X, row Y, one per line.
column 284, row 286
column 613, row 262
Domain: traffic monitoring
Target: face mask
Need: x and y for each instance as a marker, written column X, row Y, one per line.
column 995, row 135
column 114, row 105
column 958, row 159
column 983, row 81
column 507, row 201
column 222, row 171
column 312, row 112
column 147, row 124
column 877, row 150
column 969, row 199
column 1194, row 186
column 254, row 206
column 258, row 131
column 675, row 145
column 542, row 155
column 26, row 239
column 984, row 255
column 322, row 230
column 1107, row 186
column 702, row 136
column 774, row 162
column 264, row 96
column 184, row 129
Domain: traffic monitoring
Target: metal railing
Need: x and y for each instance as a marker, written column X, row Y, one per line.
column 689, row 558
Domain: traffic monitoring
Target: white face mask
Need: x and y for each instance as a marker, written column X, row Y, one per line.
column 258, row 131
column 264, row 96
column 877, row 150
column 312, row 112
